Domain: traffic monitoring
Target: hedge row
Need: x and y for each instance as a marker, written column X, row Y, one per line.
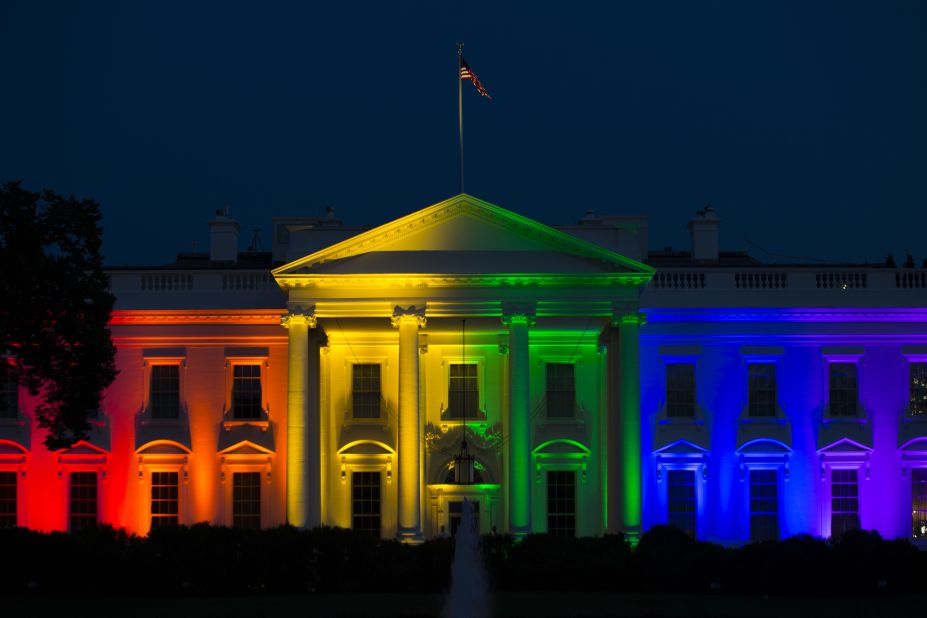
column 204, row 559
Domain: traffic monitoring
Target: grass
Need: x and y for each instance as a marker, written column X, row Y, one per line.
column 507, row 605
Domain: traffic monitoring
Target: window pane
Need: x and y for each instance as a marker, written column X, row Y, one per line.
column 246, row 392
column 561, row 502
column 843, row 390
column 764, row 505
column 165, row 391
column 561, row 390
column 680, row 485
column 365, row 502
column 366, row 391
column 9, row 400
column 919, row 502
column 246, row 500
column 83, row 500
column 463, row 397
column 8, row 499
column 680, row 390
column 844, row 501
column 918, row 394
column 761, row 389
column 164, row 501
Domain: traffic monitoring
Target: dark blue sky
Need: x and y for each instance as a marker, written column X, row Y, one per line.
column 804, row 124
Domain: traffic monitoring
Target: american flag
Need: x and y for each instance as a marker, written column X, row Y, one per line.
column 467, row 73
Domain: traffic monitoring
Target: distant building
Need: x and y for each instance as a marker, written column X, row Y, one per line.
column 601, row 387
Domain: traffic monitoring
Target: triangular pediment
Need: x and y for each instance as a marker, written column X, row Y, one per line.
column 681, row 447
column 845, row 445
column 83, row 448
column 463, row 235
column 246, row 447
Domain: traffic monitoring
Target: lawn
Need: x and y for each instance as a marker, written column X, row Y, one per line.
column 507, row 605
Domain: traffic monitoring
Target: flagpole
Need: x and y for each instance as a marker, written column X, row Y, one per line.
column 460, row 112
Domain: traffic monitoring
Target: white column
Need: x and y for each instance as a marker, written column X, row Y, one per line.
column 519, row 468
column 410, row 424
column 298, row 322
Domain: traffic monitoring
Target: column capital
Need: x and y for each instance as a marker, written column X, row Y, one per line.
column 519, row 313
column 629, row 317
column 297, row 314
column 411, row 314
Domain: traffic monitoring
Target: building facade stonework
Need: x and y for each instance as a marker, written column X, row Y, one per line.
column 598, row 386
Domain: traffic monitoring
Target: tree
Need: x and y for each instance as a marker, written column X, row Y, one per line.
column 55, row 308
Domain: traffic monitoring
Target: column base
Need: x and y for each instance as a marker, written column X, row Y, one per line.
column 410, row 537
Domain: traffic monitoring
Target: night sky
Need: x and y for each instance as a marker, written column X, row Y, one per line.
column 804, row 124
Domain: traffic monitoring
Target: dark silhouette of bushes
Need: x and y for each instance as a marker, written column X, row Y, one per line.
column 205, row 559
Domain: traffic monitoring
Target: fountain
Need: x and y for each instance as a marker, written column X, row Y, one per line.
column 469, row 596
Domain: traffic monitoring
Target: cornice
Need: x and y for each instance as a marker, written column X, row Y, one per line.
column 185, row 316
column 296, row 281
column 787, row 315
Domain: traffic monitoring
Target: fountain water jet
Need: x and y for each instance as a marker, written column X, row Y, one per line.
column 469, row 595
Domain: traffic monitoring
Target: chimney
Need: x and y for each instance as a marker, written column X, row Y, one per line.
column 704, row 228
column 223, row 238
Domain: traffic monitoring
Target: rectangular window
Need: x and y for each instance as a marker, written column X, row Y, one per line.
column 919, row 502
column 463, row 397
column 680, row 390
column 9, row 399
column 843, row 389
column 246, row 392
column 7, row 499
column 164, row 499
column 561, row 390
column 83, row 500
column 246, row 500
column 761, row 389
column 165, row 391
column 561, row 502
column 764, row 505
column 365, row 391
column 455, row 515
column 844, row 491
column 365, row 502
column 682, row 500
column 918, row 398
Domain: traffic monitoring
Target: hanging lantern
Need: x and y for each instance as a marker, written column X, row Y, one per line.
column 464, row 466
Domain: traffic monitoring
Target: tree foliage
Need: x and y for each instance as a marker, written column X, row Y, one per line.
column 55, row 308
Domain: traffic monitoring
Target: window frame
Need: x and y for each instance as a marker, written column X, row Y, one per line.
column 379, row 473
column 151, row 363
column 17, row 416
column 98, row 477
column 576, row 410
column 682, row 455
column 780, row 472
column 349, row 418
column 480, row 362
column 181, row 498
column 236, row 473
column 843, row 357
column 264, row 410
column 830, row 496
column 666, row 390
column 909, row 361
column 576, row 498
column 923, row 469
column 776, row 408
column 19, row 475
